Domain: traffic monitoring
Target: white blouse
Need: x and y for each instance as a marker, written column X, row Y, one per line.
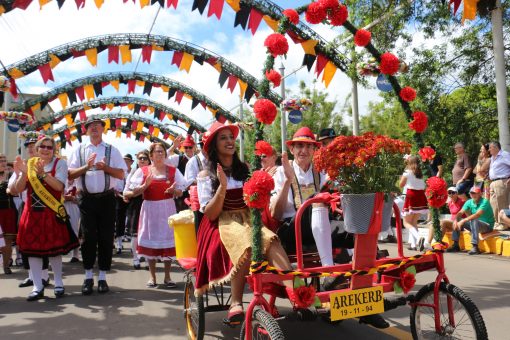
column 413, row 182
column 205, row 191
column 137, row 179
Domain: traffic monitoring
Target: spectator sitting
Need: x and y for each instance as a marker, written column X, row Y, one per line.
column 461, row 173
column 480, row 219
column 455, row 204
column 504, row 217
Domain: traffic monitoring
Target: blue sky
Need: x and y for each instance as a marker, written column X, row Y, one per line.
column 24, row 33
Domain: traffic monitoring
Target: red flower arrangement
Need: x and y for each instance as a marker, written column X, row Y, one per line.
column 389, row 64
column 257, row 190
column 302, row 296
column 329, row 4
column 420, row 122
column 265, row 111
column 407, row 281
column 276, row 44
column 292, row 15
column 427, row 153
column 274, row 77
column 337, row 16
column 408, row 94
column 362, row 37
column 315, row 13
column 436, row 192
column 263, row 148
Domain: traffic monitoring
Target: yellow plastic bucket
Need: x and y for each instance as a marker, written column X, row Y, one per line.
column 185, row 240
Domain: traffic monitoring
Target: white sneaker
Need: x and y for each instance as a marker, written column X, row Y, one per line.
column 500, row 227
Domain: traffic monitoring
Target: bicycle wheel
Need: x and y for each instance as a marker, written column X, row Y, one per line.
column 468, row 322
column 263, row 327
column 194, row 312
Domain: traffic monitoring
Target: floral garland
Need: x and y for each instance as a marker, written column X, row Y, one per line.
column 292, row 104
column 368, row 68
column 21, row 117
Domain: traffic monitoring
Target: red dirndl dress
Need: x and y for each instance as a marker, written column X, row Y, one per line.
column 8, row 212
column 40, row 232
column 213, row 261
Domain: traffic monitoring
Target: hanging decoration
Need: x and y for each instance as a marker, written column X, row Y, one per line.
column 368, row 68
column 408, row 94
column 21, row 118
column 292, row 104
column 265, row 111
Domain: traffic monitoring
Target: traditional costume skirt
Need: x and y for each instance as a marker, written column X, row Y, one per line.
column 2, row 241
column 224, row 245
column 8, row 212
column 415, row 202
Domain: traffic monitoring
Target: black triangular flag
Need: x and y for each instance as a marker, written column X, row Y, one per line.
column 60, row 3
column 98, row 89
column 194, row 103
column 160, row 2
column 72, row 96
column 73, row 115
column 156, row 113
column 43, row 104
column 249, row 93
column 199, row 59
column 171, row 93
column 137, row 109
column 223, row 77
column 308, row 60
column 190, row 130
column 242, row 16
column 62, row 139
column 147, row 88
column 175, row 119
column 200, row 5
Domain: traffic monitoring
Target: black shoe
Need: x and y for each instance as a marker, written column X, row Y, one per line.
column 7, row 271
column 137, row 266
column 330, row 283
column 454, row 248
column 375, row 320
column 36, row 295
column 86, row 288
column 119, row 251
column 412, row 248
column 46, row 283
column 102, row 287
column 421, row 244
column 59, row 291
column 26, row 283
column 74, row 260
column 474, row 250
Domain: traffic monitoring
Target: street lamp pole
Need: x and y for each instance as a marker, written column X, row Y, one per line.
column 7, row 103
column 241, row 134
column 283, row 117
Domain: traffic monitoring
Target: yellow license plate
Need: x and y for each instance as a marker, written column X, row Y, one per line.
column 355, row 303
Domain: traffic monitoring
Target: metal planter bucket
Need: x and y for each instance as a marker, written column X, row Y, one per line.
column 358, row 208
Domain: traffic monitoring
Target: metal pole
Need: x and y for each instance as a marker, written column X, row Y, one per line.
column 241, row 134
column 354, row 105
column 284, row 118
column 7, row 103
column 501, row 90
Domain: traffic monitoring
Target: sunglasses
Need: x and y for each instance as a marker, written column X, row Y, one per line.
column 47, row 147
column 188, row 147
column 143, row 159
column 452, row 192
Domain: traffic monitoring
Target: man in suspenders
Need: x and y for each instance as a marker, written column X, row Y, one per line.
column 196, row 164
column 96, row 166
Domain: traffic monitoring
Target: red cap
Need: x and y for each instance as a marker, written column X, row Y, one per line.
column 214, row 129
column 476, row 190
column 303, row 135
column 188, row 141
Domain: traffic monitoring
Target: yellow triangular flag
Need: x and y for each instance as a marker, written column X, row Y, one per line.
column 234, row 4
column 217, row 66
column 91, row 54
column 46, row 126
column 54, row 61
column 151, row 109
column 165, row 88
column 213, row 111
column 130, row 106
column 89, row 91
column 36, row 107
column 123, row 120
column 115, row 84
column 170, row 116
column 2, row 9
column 15, row 73
column 144, row 3
column 271, row 23
column 155, row 133
column 186, row 61
column 99, row 3
column 125, row 53
column 139, row 127
column 42, row 3
column 469, row 10
column 106, row 125
column 118, row 133
column 329, row 72
column 243, row 86
column 157, row 48
column 63, row 99
column 140, row 83
column 69, row 119
column 309, row 46
column 110, row 106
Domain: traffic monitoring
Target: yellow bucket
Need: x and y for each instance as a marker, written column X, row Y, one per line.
column 185, row 240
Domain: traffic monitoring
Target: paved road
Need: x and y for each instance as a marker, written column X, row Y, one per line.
column 131, row 311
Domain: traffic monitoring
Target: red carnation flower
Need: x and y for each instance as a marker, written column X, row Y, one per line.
column 389, row 64
column 277, row 44
column 265, row 111
column 257, row 190
column 408, row 94
column 407, row 281
column 315, row 13
column 302, row 297
column 420, row 122
column 263, row 148
column 292, row 15
column 427, row 153
column 329, row 4
column 274, row 77
column 436, row 192
column 338, row 16
column 362, row 37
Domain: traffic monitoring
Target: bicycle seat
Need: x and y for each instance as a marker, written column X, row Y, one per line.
column 187, row 262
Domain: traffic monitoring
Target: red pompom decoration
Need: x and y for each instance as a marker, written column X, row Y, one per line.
column 257, row 190
column 265, row 111
column 389, row 64
column 263, row 148
column 420, row 122
column 274, row 77
column 302, row 297
column 292, row 15
column 407, row 281
column 427, row 153
column 277, row 44
column 436, row 192
column 315, row 13
column 338, row 16
column 329, row 4
column 408, row 94
column 362, row 37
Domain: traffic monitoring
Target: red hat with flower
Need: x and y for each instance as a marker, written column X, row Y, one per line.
column 214, row 129
column 188, row 141
column 303, row 135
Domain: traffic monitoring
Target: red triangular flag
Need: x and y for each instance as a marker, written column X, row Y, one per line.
column 172, row 3
column 204, row 105
column 222, row 119
column 143, row 108
column 113, row 54
column 177, row 58
column 131, row 86
column 142, row 138
column 77, row 54
column 21, row 4
column 128, row 134
column 178, row 96
column 134, row 124
column 83, row 116
column 215, row 7
column 13, row 89
column 146, row 53
column 255, row 19
column 83, row 129
column 30, row 112
column 232, row 82
column 67, row 133
column 103, row 106
column 295, row 37
column 151, row 129
column 118, row 123
column 321, row 63
column 166, row 135
column 80, row 92
column 79, row 3
column 46, row 73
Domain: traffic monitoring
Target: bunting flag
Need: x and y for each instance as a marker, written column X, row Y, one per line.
column 242, row 87
column 232, row 82
column 80, row 92
column 321, row 63
column 142, row 138
column 234, row 4
column 200, row 5
column 136, row 109
column 255, row 19
column 250, row 91
column 125, row 54
column 89, row 91
column 172, row 3
column 13, row 89
column 72, row 96
column 128, row 134
column 54, row 61
column 91, row 54
column 186, row 61
column 118, row 133
column 273, row 24
column 21, row 4
column 69, row 119
column 63, row 99
column 118, row 123
column 329, row 72
column 113, row 54
column 139, row 126
column 156, row 131
column 242, row 16
column 134, row 125
column 83, row 116
column 15, row 73
column 146, row 53
column 98, row 89
column 107, row 125
column 215, row 8
column 194, row 103
column 151, row 129
column 178, row 96
column 308, row 61
column 35, row 108
column 131, row 86
column 99, row 3
column 177, row 58
column 309, row 46
column 115, row 84
column 147, row 88
column 144, row 3
column 171, row 93
column 79, row 3
column 160, row 2
column 223, row 77
column 469, row 10
column 46, row 72
column 46, row 126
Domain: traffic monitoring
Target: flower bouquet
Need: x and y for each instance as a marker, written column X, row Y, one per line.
column 292, row 104
column 368, row 68
column 365, row 169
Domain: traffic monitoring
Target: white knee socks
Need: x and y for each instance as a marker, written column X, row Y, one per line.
column 321, row 230
column 134, row 244
column 36, row 271
column 56, row 266
column 414, row 236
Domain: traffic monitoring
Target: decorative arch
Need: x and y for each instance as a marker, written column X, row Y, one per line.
column 160, row 111
column 129, row 125
column 120, row 46
column 91, row 86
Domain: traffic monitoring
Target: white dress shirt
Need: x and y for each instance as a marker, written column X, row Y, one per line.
column 192, row 169
column 500, row 165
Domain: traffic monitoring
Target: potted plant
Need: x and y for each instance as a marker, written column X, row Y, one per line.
column 365, row 170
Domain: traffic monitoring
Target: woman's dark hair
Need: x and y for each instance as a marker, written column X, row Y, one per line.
column 239, row 170
column 144, row 153
column 153, row 147
column 413, row 163
column 486, row 147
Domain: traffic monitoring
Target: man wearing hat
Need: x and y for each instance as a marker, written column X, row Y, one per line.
column 96, row 166
column 196, row 164
column 182, row 160
column 479, row 219
column 326, row 136
column 121, row 206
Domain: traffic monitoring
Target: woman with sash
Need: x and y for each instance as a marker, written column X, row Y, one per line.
column 160, row 184
column 224, row 236
column 44, row 228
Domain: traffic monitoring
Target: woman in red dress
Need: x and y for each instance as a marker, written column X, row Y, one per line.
column 44, row 228
column 8, row 215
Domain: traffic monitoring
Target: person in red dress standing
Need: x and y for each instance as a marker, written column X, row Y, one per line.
column 8, row 215
column 44, row 228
